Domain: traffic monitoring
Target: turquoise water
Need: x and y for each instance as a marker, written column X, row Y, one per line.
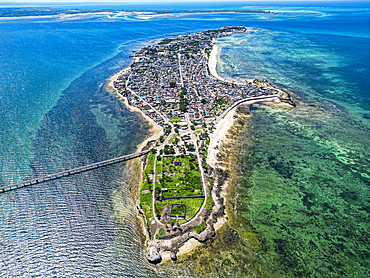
column 55, row 115
column 303, row 174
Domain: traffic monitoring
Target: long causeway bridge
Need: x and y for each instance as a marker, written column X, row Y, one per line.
column 72, row 171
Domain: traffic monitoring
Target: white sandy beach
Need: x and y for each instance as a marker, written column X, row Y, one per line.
column 219, row 135
column 212, row 65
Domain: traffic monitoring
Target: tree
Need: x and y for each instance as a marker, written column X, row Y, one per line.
column 203, row 101
column 161, row 139
column 183, row 101
column 192, row 127
column 172, row 84
column 157, row 192
column 168, row 130
column 183, row 90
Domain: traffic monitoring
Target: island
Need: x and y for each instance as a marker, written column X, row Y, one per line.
column 35, row 12
column 174, row 83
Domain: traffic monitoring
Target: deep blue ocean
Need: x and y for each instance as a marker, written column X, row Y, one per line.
column 303, row 174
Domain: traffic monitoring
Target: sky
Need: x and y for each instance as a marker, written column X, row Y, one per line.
column 163, row 1
column 133, row 2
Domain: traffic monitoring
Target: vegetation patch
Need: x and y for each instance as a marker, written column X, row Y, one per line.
column 199, row 228
column 161, row 231
column 147, row 188
column 178, row 210
column 166, row 41
column 192, row 206
column 180, row 178
column 175, row 119
column 209, row 203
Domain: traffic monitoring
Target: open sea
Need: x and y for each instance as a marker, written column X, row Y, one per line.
column 301, row 177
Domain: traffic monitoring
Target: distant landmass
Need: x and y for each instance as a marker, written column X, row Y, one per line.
column 46, row 11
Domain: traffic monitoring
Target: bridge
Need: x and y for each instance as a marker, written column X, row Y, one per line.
column 72, row 171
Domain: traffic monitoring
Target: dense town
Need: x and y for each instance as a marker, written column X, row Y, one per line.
column 161, row 71
column 170, row 81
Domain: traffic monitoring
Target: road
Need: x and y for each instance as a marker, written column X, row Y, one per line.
column 223, row 114
column 182, row 81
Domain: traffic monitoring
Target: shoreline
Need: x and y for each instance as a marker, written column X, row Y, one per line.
column 212, row 65
column 159, row 250
column 155, row 129
column 218, row 139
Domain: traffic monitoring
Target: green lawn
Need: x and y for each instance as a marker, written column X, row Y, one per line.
column 145, row 204
column 192, row 206
column 210, row 203
column 147, row 184
column 159, row 167
column 178, row 209
column 175, row 119
column 184, row 179
column 173, row 139
column 150, row 165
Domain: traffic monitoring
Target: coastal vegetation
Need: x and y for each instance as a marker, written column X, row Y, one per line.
column 198, row 228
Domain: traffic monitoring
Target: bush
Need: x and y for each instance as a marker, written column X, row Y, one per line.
column 209, row 203
column 199, row 228
column 161, row 231
column 178, row 209
column 158, row 190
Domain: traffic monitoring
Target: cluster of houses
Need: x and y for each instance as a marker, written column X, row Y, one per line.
column 161, row 71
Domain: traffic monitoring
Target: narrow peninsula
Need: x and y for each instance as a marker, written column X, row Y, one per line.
column 174, row 83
